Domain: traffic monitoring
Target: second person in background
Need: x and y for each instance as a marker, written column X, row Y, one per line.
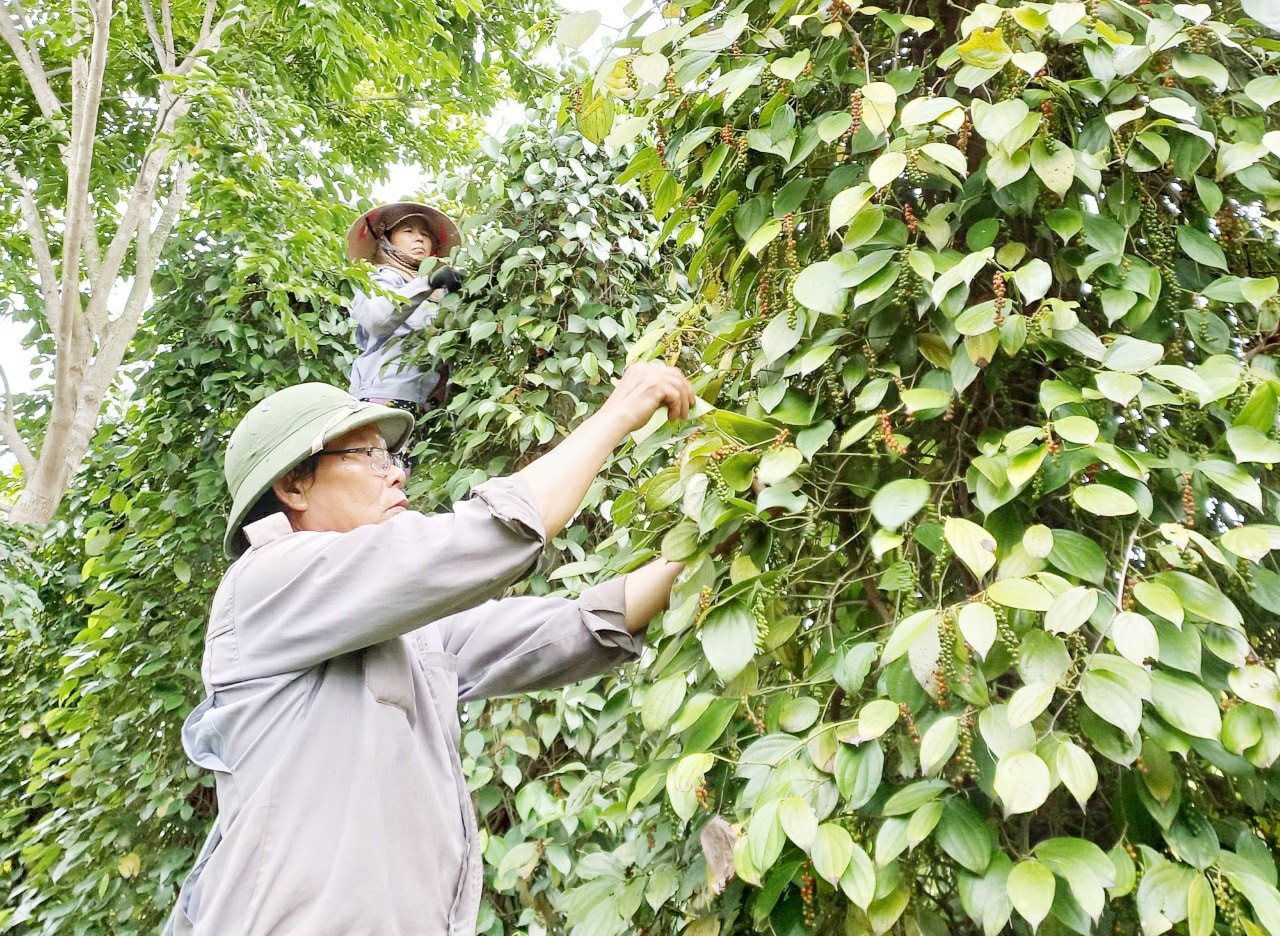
column 397, row 239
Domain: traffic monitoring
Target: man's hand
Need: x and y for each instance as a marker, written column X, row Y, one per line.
column 645, row 388
column 560, row 478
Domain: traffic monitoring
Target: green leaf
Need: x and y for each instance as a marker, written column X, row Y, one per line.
column 799, row 821
column 913, row 796
column 924, row 398
column 779, row 337
column 848, row 203
column 1078, row 429
column 1201, row 248
column 595, row 120
column 765, row 837
column 859, row 879
column 1193, row 65
column 1055, row 166
column 713, row 40
column 964, row 836
column 834, row 125
column 877, row 716
column 1022, row 782
column 1134, row 637
column 994, row 122
column 906, row 632
column 1071, row 609
column 790, row 67
column 1234, row 480
column 978, row 626
column 1020, row 593
column 1201, row 908
column 1077, row 770
column 1201, row 599
column 779, row 464
column 1186, row 705
column 817, row 287
column 683, row 779
column 763, row 236
column 661, row 702
column 1250, row 445
column 1076, row 554
column 886, row 168
column 1112, row 699
column 1160, row 599
column 1132, row 355
column 938, row 744
column 1104, row 500
column 832, row 851
column 728, row 639
column 1031, row 889
column 899, row 501
column 859, row 771
column 576, row 28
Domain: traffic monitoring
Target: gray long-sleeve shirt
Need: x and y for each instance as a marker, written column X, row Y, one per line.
column 334, row 664
column 382, row 324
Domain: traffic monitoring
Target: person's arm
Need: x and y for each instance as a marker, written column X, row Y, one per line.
column 381, row 315
column 648, row 592
column 523, row 644
column 561, row 477
column 312, row 596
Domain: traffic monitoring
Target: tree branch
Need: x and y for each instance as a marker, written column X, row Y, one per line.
column 136, row 215
column 210, row 37
column 119, row 332
column 29, row 61
column 9, row 430
column 164, row 56
column 86, row 79
column 45, row 270
column 166, row 17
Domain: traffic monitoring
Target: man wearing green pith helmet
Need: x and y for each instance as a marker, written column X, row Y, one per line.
column 341, row 641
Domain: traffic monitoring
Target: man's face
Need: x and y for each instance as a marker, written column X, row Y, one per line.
column 413, row 237
column 345, row 492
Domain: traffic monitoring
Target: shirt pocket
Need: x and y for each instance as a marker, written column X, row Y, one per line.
column 388, row 675
column 441, row 672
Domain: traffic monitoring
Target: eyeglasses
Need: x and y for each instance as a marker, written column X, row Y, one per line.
column 380, row 460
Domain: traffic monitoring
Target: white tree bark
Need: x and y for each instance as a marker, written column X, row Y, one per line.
column 90, row 343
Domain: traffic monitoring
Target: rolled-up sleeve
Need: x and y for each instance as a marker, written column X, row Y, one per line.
column 522, row 644
column 309, row 597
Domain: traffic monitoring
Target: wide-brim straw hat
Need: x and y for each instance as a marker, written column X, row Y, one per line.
column 362, row 238
column 285, row 429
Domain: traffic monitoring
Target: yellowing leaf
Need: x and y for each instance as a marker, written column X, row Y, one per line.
column 129, row 865
column 985, row 48
column 973, row 545
column 879, row 102
column 886, row 168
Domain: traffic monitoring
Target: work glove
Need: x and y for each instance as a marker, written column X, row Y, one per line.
column 445, row 278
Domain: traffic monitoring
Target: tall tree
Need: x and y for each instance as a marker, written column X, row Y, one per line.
column 124, row 119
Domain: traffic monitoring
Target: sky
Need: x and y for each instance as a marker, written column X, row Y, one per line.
column 16, row 363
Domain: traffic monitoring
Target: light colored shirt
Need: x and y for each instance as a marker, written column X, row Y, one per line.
column 334, row 664
column 382, row 324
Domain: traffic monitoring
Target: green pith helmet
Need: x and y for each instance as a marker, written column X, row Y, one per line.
column 284, row 430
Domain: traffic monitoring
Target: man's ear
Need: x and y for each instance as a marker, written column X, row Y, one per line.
column 291, row 490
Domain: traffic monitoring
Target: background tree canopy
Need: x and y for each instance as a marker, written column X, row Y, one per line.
column 978, row 630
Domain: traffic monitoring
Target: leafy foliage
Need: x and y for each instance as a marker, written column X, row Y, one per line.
column 985, row 304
